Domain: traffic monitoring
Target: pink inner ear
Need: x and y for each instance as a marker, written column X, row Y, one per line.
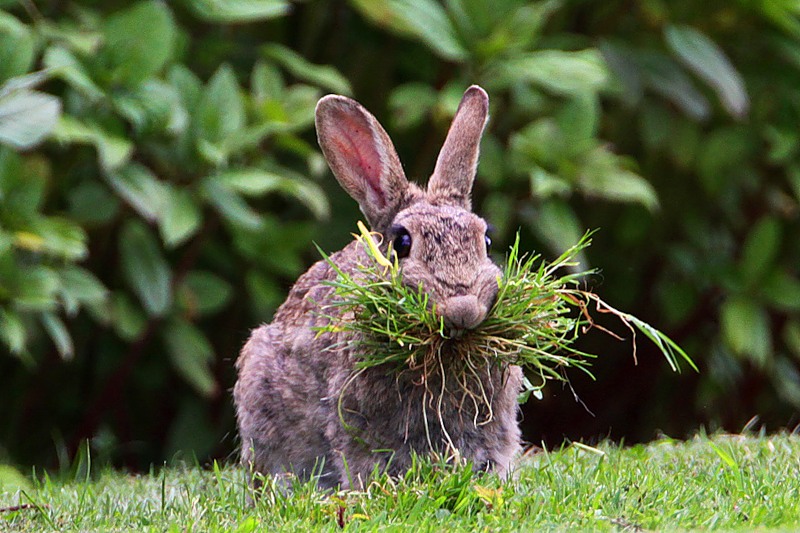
column 357, row 147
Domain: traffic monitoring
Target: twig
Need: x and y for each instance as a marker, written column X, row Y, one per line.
column 23, row 507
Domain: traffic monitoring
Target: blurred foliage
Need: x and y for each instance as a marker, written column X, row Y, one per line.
column 160, row 187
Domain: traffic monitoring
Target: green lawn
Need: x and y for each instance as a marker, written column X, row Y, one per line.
column 726, row 482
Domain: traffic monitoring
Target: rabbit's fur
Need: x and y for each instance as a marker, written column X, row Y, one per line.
column 301, row 405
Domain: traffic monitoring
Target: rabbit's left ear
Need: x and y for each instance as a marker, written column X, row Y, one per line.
column 362, row 158
column 455, row 169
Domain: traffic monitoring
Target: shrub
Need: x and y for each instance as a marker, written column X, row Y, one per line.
column 160, row 186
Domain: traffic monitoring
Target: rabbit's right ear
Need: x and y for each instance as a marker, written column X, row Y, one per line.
column 458, row 160
column 362, row 157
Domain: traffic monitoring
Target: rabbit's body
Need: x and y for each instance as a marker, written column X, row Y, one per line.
column 302, row 406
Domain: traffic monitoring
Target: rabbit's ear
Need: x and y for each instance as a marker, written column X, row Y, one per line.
column 458, row 160
column 361, row 156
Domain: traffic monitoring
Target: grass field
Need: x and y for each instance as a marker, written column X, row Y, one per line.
column 720, row 482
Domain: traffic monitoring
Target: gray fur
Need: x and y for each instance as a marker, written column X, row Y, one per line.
column 300, row 403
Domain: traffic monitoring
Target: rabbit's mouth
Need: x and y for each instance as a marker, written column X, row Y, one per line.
column 462, row 313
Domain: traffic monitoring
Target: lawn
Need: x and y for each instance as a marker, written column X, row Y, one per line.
column 721, row 482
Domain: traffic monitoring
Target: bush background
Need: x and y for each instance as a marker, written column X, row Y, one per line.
column 160, row 188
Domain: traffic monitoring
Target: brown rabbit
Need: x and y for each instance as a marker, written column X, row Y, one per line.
column 301, row 406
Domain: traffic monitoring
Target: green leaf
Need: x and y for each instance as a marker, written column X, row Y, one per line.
column 384, row 13
column 221, row 109
column 23, row 82
column 61, row 237
column 782, row 14
column 663, row 76
column 707, row 60
column 234, row 11
column 76, row 36
column 426, row 20
column 190, row 353
column 37, row 289
column 112, row 151
column 153, row 106
column 559, row 72
column 519, row 29
column 138, row 42
column 139, row 187
column 277, row 246
column 540, row 143
column 266, row 82
column 322, row 75
column 6, row 242
column 28, row 240
column 12, row 331
column 256, row 182
column 188, row 85
column 619, row 185
column 58, row 333
column 181, row 217
column 411, row 103
column 545, row 184
column 250, row 181
column 250, row 137
column 783, row 144
column 231, row 206
column 578, row 121
column 298, row 106
column 79, row 286
column 212, row 153
column 309, row 194
column 22, row 188
column 126, row 318
column 760, row 250
column 603, row 175
column 203, row 293
column 27, row 117
column 17, row 47
column 470, row 25
column 144, row 268
column 66, row 66
column 745, row 328
column 782, row 291
column 557, row 225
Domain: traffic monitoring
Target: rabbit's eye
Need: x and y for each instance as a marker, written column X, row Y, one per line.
column 402, row 243
column 488, row 241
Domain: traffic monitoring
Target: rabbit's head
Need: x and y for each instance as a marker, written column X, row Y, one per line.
column 440, row 243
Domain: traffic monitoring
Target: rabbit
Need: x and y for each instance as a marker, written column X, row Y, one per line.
column 302, row 408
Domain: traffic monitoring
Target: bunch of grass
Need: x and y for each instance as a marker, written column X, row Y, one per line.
column 540, row 311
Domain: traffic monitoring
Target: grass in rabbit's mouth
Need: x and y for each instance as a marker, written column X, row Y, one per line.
column 540, row 311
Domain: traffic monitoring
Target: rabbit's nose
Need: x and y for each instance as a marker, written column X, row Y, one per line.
column 462, row 312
